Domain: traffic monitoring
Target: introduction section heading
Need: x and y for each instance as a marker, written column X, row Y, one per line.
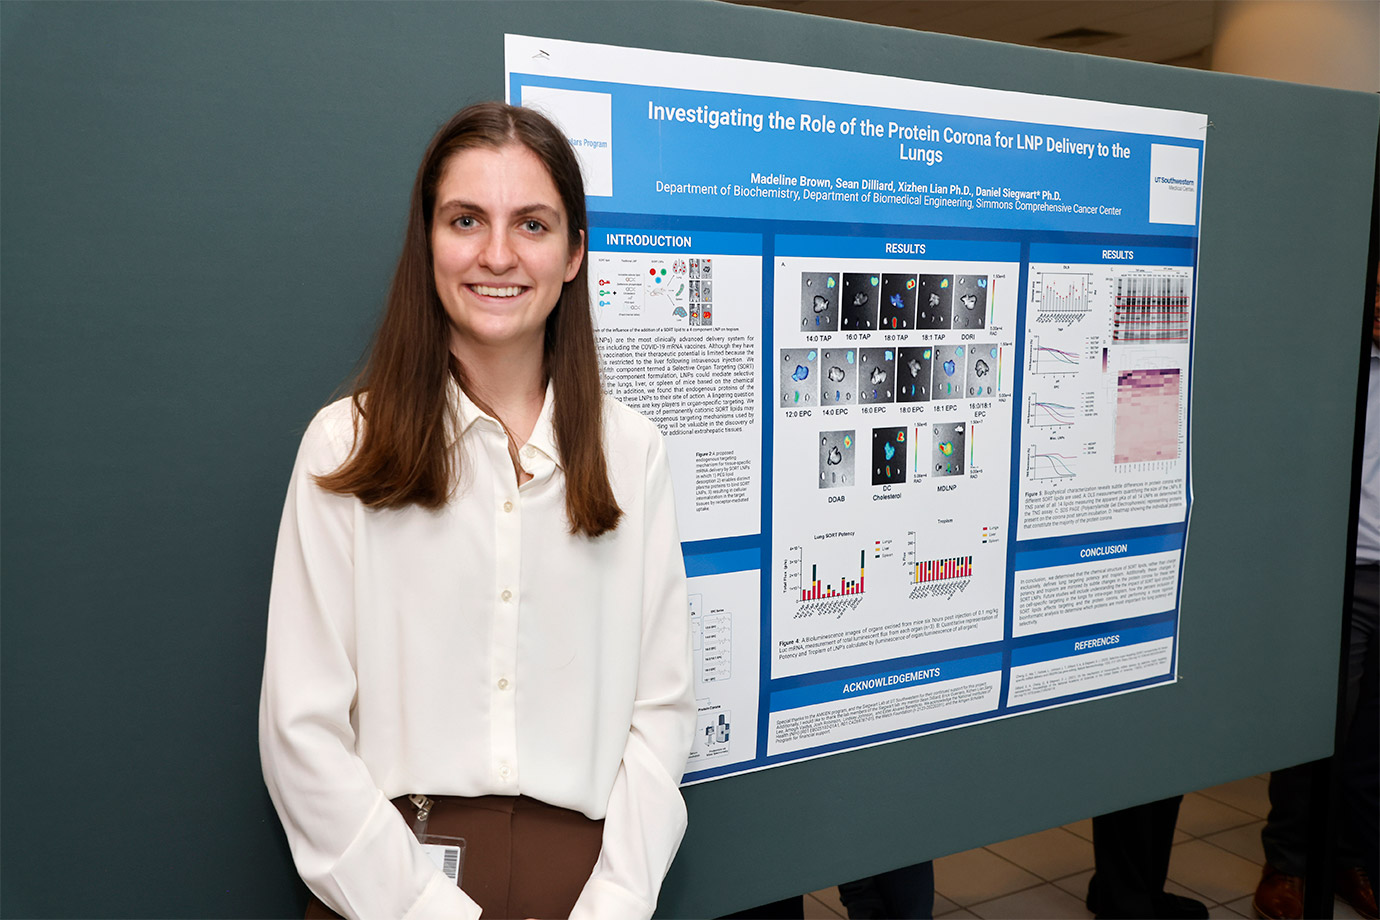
column 647, row 239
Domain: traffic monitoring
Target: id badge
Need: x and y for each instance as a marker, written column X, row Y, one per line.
column 448, row 853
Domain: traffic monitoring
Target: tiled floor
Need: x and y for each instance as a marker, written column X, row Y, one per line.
column 1216, row 859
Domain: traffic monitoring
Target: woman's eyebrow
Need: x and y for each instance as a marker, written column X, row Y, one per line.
column 538, row 208
column 459, row 204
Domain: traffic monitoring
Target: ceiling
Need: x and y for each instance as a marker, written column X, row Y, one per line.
column 1160, row 31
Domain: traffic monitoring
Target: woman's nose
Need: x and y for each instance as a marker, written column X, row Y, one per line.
column 498, row 254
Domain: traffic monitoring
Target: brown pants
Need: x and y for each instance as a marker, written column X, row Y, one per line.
column 523, row 858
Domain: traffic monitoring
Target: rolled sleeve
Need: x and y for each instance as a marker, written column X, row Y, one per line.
column 646, row 815
column 350, row 845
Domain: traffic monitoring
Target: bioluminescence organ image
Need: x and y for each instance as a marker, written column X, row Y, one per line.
column 876, row 375
column 836, row 459
column 888, row 455
column 838, row 372
column 859, row 302
column 948, row 448
column 984, row 370
column 913, row 373
column 898, row 302
column 819, row 302
column 935, row 302
column 950, row 367
column 799, row 377
column 970, row 302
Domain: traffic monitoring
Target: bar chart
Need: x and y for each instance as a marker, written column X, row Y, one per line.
column 816, row 589
column 942, row 577
column 1061, row 298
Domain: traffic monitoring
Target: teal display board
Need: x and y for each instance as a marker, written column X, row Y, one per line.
column 201, row 207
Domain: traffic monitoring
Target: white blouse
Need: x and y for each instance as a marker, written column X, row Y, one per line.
column 479, row 649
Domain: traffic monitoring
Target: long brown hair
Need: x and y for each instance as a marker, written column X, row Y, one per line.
column 404, row 455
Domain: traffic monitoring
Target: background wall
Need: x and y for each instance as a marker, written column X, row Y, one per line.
column 200, row 206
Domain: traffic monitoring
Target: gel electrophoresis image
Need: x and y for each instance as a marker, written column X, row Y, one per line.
column 913, row 373
column 838, row 376
column 948, row 448
column 819, row 302
column 835, row 459
column 799, row 377
column 876, row 375
column 888, row 455
column 858, row 307
column 1147, row 416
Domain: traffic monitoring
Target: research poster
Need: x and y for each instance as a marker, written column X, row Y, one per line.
column 922, row 355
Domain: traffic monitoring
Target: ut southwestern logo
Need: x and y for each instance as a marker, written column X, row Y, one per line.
column 1184, row 184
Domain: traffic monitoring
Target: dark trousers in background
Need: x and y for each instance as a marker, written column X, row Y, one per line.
column 1131, row 857
column 906, row 893
column 1286, row 830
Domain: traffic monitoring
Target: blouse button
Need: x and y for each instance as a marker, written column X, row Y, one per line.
column 507, row 506
column 506, row 595
column 503, row 770
column 503, row 683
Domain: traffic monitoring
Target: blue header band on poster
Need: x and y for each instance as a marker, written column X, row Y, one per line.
column 1109, row 255
column 831, row 691
column 862, row 247
column 1095, row 642
column 1098, row 551
column 699, row 242
column 832, row 161
column 738, row 560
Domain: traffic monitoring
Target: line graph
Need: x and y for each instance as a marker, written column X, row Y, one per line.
column 1046, row 359
column 1050, row 465
column 1047, row 414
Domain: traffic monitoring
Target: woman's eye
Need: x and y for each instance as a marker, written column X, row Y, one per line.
column 534, row 226
column 464, row 222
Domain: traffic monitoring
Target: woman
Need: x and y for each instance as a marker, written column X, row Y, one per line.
column 478, row 594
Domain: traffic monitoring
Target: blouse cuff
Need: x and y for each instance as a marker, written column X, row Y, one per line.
column 442, row 899
column 603, row 900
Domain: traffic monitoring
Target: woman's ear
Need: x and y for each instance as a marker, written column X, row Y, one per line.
column 573, row 265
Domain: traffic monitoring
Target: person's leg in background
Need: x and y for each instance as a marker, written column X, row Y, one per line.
column 906, row 893
column 1131, row 851
column 1279, row 896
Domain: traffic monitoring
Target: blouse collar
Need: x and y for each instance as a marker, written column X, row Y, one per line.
column 543, row 438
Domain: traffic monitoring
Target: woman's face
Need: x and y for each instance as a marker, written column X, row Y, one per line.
column 500, row 249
